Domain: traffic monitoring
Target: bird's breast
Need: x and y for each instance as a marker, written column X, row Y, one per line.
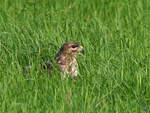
column 68, row 65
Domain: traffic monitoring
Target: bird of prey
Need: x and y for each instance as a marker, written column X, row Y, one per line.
column 66, row 59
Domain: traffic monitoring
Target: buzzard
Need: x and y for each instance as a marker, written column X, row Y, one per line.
column 66, row 59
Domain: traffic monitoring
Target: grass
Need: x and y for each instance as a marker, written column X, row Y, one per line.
column 114, row 72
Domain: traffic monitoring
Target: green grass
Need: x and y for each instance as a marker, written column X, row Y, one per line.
column 114, row 72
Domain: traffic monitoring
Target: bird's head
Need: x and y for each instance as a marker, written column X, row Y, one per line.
column 71, row 48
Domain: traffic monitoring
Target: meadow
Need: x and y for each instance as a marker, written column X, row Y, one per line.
column 114, row 71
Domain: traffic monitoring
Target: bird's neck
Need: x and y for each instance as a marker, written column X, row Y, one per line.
column 67, row 58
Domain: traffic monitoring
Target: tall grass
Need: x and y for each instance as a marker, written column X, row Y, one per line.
column 114, row 72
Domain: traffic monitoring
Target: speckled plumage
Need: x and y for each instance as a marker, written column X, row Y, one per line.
column 66, row 59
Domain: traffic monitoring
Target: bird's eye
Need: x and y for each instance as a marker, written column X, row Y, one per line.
column 74, row 46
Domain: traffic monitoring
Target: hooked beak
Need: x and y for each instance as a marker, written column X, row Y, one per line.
column 82, row 49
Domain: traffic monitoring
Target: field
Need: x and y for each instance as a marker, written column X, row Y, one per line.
column 114, row 71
